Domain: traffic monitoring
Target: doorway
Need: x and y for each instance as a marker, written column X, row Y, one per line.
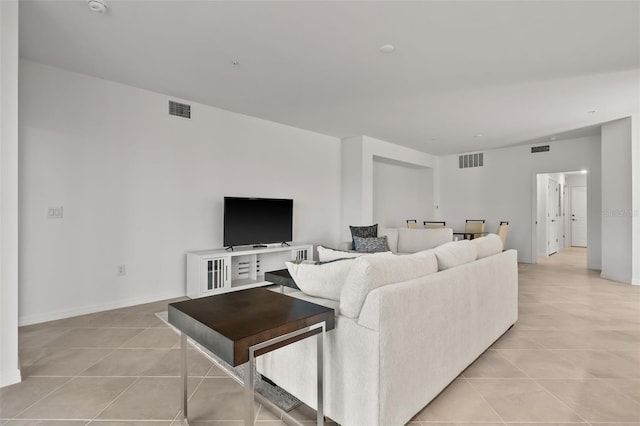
column 553, row 216
column 578, row 208
column 561, row 220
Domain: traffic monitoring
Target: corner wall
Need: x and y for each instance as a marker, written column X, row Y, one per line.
column 358, row 156
column 140, row 188
column 9, row 367
column 635, row 185
column 617, row 210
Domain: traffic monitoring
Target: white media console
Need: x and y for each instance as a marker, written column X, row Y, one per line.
column 219, row 270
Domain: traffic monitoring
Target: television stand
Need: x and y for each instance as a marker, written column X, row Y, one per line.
column 227, row 269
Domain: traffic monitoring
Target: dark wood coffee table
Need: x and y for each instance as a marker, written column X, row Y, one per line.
column 241, row 325
column 281, row 277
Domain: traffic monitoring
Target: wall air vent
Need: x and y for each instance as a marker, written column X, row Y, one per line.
column 179, row 110
column 541, row 148
column 471, row 160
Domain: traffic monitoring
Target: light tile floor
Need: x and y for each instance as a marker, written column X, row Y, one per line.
column 572, row 358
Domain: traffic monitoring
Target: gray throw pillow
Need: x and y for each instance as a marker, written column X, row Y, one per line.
column 363, row 232
column 371, row 245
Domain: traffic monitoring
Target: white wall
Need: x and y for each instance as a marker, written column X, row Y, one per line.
column 140, row 188
column 9, row 368
column 358, row 155
column 505, row 189
column 401, row 191
column 617, row 200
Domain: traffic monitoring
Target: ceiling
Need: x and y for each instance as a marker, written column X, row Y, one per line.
column 511, row 71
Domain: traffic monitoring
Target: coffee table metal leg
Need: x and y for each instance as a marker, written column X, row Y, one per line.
column 320, row 375
column 249, row 388
column 183, row 350
column 270, row 345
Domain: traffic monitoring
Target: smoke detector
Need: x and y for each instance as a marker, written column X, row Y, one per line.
column 98, row 5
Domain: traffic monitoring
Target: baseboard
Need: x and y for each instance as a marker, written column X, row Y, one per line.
column 615, row 278
column 10, row 377
column 91, row 309
column 635, row 281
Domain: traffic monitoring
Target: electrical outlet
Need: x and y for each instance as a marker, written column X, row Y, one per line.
column 54, row 212
column 122, row 270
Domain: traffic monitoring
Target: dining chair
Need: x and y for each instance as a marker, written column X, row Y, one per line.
column 412, row 224
column 432, row 225
column 502, row 233
column 473, row 228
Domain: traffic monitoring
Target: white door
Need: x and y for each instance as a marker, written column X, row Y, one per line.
column 553, row 203
column 579, row 216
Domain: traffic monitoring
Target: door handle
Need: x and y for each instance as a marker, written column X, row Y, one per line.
column 574, row 220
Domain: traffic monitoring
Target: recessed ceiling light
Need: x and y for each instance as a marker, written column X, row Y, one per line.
column 553, row 138
column 477, row 135
column 97, row 5
column 387, row 48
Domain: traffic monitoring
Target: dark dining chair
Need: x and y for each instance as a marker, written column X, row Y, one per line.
column 431, row 224
column 502, row 233
column 412, row 224
column 474, row 228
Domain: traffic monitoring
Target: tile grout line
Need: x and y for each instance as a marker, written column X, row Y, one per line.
column 485, row 400
column 137, row 379
column 549, row 392
column 15, row 417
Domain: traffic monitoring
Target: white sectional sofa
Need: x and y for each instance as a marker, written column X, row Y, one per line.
column 406, row 327
column 405, row 240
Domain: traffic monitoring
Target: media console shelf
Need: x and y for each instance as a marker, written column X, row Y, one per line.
column 219, row 271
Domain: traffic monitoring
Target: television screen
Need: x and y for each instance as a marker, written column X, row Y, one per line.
column 257, row 221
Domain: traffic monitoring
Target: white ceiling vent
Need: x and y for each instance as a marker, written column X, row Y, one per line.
column 179, row 110
column 471, row 160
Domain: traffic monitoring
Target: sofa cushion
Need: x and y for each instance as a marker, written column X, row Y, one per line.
column 326, row 254
column 392, row 237
column 455, row 253
column 415, row 240
column 377, row 270
column 370, row 245
column 488, row 245
column 363, row 232
column 321, row 280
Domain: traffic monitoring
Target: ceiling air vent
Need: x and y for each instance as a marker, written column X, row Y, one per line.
column 179, row 110
column 471, row 160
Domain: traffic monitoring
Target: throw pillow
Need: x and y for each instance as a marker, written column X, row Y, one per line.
column 371, row 245
column 455, row 253
column 322, row 280
column 392, row 238
column 380, row 269
column 327, row 254
column 488, row 245
column 363, row 232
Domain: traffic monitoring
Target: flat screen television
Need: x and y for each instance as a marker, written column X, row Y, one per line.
column 257, row 221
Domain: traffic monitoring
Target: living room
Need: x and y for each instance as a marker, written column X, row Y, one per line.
column 139, row 188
